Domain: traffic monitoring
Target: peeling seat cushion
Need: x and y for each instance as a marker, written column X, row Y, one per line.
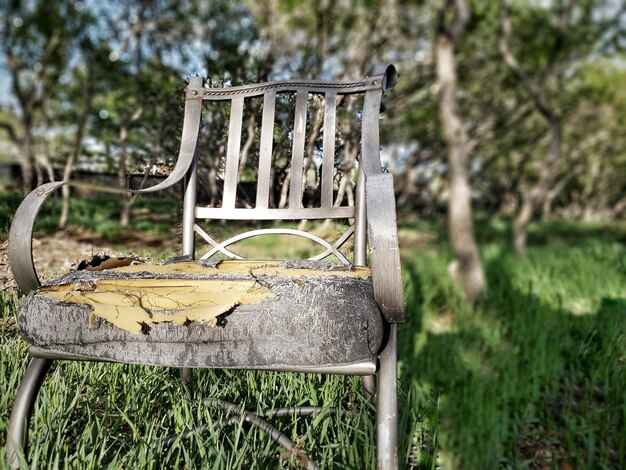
column 284, row 315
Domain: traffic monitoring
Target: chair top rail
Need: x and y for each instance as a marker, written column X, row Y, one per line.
column 310, row 86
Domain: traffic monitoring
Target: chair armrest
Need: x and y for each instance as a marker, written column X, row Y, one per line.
column 384, row 249
column 381, row 209
column 21, row 237
column 21, row 233
column 188, row 143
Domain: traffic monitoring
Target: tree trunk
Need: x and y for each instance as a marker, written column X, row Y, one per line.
column 539, row 193
column 47, row 160
column 466, row 267
column 76, row 149
column 245, row 151
column 311, row 145
column 213, row 187
column 284, row 191
column 272, row 197
column 213, row 162
column 38, row 171
column 27, row 162
column 123, row 165
column 520, row 225
column 122, row 177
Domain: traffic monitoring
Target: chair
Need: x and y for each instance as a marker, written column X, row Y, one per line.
column 343, row 317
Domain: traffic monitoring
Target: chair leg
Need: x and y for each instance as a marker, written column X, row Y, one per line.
column 387, row 407
column 368, row 383
column 186, row 377
column 17, row 432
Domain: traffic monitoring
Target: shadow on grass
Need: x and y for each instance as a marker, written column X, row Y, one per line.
column 540, row 233
column 518, row 382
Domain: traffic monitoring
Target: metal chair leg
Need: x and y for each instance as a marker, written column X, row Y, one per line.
column 186, row 377
column 17, row 432
column 368, row 383
column 387, row 407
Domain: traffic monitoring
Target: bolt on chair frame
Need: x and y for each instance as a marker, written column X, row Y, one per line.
column 373, row 213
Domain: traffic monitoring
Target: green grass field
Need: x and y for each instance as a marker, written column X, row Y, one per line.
column 534, row 377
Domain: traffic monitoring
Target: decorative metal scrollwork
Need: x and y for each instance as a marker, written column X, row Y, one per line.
column 221, row 247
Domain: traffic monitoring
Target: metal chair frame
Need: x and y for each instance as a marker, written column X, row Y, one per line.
column 373, row 214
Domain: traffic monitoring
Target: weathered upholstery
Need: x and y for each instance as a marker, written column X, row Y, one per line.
column 254, row 315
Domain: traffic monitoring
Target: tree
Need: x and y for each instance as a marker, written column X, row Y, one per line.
column 35, row 38
column 544, row 64
column 536, row 144
column 467, row 263
column 87, row 77
column 538, row 93
column 144, row 32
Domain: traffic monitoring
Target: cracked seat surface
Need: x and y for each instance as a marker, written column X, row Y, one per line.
column 308, row 316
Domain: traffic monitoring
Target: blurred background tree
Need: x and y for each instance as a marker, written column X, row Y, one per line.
column 98, row 85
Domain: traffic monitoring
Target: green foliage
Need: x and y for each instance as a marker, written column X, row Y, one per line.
column 8, row 205
column 135, row 55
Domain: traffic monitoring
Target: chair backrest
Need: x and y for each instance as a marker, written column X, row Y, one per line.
column 324, row 124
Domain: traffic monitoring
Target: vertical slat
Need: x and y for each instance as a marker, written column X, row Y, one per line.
column 370, row 142
column 297, row 154
column 360, row 221
column 232, row 153
column 189, row 207
column 265, row 158
column 328, row 161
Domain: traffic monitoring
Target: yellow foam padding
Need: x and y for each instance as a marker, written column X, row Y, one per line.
column 131, row 303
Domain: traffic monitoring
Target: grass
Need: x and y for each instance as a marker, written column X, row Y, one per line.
column 534, row 377
column 99, row 213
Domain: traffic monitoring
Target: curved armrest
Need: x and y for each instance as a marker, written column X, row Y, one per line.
column 21, row 233
column 384, row 250
column 21, row 236
column 380, row 206
column 188, row 143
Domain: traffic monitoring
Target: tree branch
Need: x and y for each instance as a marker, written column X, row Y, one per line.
column 559, row 40
column 511, row 61
column 462, row 16
column 8, row 127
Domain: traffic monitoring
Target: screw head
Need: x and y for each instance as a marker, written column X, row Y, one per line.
column 194, row 92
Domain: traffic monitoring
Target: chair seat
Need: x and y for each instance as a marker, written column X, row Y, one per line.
column 275, row 315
